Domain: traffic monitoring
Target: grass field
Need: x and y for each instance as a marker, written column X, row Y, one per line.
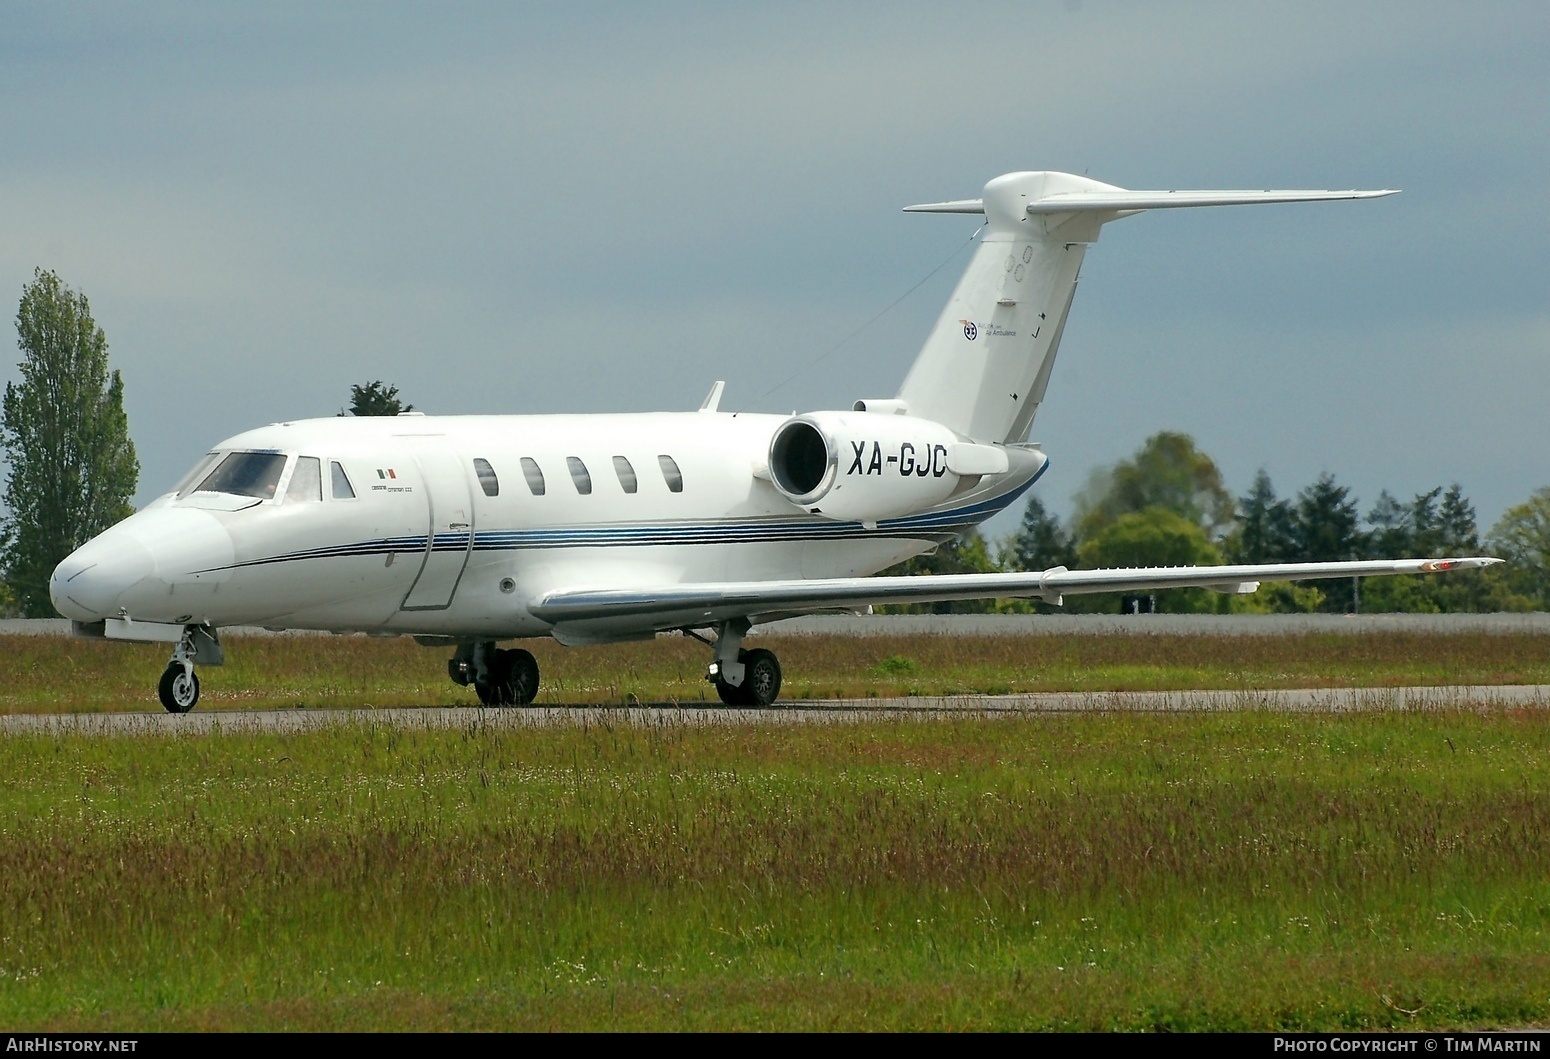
column 1242, row 870
column 48, row 674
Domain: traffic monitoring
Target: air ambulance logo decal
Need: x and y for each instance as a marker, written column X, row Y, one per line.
column 971, row 330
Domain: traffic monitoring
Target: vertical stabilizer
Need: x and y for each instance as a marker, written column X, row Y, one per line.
column 986, row 363
column 984, row 367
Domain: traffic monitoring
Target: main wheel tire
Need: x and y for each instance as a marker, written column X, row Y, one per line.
column 457, row 669
column 513, row 679
column 521, row 676
column 732, row 695
column 178, row 689
column 761, row 676
column 761, row 680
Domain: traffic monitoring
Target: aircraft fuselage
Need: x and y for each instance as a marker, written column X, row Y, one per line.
column 456, row 522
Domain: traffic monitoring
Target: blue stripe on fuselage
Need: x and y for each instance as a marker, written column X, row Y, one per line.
column 639, row 535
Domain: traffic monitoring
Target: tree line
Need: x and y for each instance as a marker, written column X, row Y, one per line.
column 1166, row 505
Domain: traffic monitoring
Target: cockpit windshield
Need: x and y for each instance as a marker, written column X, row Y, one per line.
column 246, row 474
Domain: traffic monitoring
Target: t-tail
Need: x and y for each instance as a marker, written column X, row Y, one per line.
column 984, row 369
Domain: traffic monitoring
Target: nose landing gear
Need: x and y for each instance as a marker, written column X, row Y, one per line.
column 178, row 688
column 500, row 677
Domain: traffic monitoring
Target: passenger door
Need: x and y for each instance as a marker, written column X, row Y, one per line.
column 451, row 520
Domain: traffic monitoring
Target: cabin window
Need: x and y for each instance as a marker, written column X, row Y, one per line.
column 343, row 490
column 579, row 475
column 246, row 474
column 534, row 475
column 306, row 481
column 670, row 472
column 487, row 480
column 626, row 474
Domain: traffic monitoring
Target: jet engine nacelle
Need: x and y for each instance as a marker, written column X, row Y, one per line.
column 867, row 466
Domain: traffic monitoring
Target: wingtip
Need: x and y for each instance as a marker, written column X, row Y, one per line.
column 1474, row 562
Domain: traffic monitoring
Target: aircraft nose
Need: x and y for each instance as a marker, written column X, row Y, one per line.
column 88, row 584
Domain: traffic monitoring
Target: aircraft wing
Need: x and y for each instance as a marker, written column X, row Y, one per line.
column 693, row 605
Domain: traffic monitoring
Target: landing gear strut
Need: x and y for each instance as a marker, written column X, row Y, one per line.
column 500, row 677
column 742, row 678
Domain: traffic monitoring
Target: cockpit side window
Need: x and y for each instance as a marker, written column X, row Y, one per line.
column 342, row 488
column 246, row 474
column 306, row 481
column 186, row 483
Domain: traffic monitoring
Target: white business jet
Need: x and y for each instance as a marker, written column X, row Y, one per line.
column 467, row 531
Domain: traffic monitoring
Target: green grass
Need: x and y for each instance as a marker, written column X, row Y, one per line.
column 1242, row 870
column 47, row 674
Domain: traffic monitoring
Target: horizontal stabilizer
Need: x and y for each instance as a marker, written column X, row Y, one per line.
column 692, row 605
column 956, row 206
column 1121, row 201
column 985, row 366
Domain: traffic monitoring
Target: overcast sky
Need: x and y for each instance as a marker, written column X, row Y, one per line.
column 568, row 207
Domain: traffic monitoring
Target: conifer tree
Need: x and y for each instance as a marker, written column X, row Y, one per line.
column 1040, row 543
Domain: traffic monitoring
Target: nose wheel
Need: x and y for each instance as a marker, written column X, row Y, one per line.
column 178, row 688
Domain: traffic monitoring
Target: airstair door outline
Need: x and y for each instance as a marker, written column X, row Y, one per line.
column 450, row 517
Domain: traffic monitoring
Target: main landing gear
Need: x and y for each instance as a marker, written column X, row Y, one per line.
column 500, row 677
column 178, row 688
column 741, row 678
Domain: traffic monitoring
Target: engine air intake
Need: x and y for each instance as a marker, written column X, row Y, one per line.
column 800, row 460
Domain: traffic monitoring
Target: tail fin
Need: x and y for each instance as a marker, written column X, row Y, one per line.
column 985, row 366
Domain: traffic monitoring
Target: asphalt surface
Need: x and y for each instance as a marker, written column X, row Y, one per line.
column 1048, row 625
column 1319, row 700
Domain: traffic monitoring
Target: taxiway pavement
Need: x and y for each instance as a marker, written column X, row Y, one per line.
column 1302, row 700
